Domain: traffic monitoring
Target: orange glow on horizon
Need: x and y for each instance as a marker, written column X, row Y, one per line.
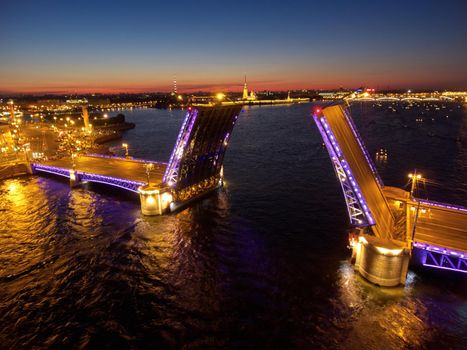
column 194, row 86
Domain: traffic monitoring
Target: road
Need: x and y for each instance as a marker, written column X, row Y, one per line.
column 362, row 172
column 435, row 225
column 40, row 138
column 445, row 228
column 118, row 168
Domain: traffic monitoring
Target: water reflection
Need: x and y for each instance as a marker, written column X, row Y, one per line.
column 389, row 316
column 25, row 223
column 259, row 266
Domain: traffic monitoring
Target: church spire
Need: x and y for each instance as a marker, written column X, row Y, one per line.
column 245, row 91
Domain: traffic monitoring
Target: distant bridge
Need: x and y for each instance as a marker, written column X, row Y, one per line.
column 194, row 167
column 403, row 99
column 390, row 222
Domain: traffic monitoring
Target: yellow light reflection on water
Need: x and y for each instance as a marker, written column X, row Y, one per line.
column 12, row 187
column 24, row 219
column 15, row 192
column 391, row 316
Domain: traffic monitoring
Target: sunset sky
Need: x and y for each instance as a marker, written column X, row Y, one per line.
column 113, row 46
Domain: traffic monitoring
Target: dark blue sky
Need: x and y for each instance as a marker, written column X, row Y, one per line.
column 142, row 45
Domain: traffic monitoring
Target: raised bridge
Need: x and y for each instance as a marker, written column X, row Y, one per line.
column 194, row 167
column 390, row 217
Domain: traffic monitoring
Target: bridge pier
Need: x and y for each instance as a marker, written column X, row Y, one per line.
column 29, row 168
column 381, row 261
column 74, row 178
column 154, row 201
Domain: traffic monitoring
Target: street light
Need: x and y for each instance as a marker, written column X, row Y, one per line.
column 73, row 160
column 149, row 167
column 125, row 146
column 414, row 178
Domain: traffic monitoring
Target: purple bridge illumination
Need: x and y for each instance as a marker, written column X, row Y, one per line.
column 194, row 168
column 437, row 231
column 129, row 185
column 442, row 258
column 358, row 210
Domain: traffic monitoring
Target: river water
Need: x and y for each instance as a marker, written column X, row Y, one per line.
column 261, row 264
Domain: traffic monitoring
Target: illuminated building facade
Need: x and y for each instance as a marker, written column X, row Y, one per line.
column 245, row 95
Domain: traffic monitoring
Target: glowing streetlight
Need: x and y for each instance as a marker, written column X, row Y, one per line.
column 414, row 177
column 220, row 96
column 125, row 146
column 12, row 110
column 149, row 168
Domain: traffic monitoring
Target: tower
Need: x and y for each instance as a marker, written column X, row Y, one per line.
column 175, row 86
column 85, row 117
column 245, row 91
column 12, row 111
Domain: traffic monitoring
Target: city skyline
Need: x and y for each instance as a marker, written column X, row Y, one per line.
column 112, row 47
column 233, row 175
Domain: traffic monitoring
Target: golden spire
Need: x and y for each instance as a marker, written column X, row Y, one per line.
column 245, row 91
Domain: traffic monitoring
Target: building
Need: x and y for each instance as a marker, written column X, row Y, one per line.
column 334, row 95
column 7, row 144
column 245, row 95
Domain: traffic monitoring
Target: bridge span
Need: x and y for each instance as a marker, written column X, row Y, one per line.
column 126, row 173
column 391, row 224
column 194, row 168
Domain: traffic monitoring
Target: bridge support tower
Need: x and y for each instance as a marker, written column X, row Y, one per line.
column 85, row 115
column 74, row 179
column 381, row 261
column 154, row 201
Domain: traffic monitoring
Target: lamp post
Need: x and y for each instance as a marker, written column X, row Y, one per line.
column 73, row 161
column 414, row 178
column 12, row 111
column 149, row 168
column 125, row 146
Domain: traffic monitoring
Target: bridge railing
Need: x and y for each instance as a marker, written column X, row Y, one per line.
column 51, row 169
column 112, row 181
column 83, row 176
column 441, row 205
column 173, row 168
column 442, row 258
column 358, row 210
column 138, row 160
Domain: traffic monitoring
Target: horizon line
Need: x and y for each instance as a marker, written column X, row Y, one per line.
column 194, row 90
